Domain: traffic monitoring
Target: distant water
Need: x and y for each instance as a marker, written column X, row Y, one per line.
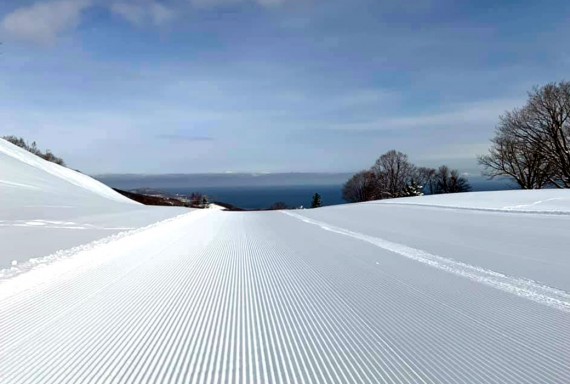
column 264, row 197
column 261, row 192
column 296, row 195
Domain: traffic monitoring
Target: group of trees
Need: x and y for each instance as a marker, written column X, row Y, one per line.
column 532, row 144
column 278, row 206
column 316, row 202
column 393, row 175
column 198, row 200
column 33, row 148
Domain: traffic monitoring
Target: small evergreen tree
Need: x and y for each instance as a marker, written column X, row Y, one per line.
column 316, row 203
column 413, row 189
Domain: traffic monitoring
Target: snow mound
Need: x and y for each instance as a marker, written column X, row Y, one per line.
column 20, row 170
column 551, row 201
column 45, row 208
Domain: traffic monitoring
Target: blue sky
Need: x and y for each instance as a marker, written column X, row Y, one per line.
column 186, row 86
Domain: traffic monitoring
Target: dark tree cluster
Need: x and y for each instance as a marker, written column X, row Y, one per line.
column 198, row 200
column 33, row 148
column 316, row 202
column 393, row 175
column 278, row 206
column 532, row 144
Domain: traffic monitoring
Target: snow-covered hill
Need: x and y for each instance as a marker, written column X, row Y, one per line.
column 470, row 288
column 553, row 201
column 45, row 207
column 22, row 174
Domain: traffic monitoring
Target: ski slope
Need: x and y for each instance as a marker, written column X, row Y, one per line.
column 381, row 292
column 45, row 208
column 552, row 201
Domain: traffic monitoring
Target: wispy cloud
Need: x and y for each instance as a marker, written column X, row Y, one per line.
column 184, row 137
column 462, row 116
column 252, row 85
column 42, row 23
column 217, row 3
column 148, row 12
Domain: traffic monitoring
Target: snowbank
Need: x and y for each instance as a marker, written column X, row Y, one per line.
column 554, row 201
column 23, row 166
column 45, row 207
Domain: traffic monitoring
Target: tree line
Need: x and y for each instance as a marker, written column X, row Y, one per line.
column 532, row 143
column 33, row 148
column 393, row 175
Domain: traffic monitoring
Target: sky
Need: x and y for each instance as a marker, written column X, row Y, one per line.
column 197, row 86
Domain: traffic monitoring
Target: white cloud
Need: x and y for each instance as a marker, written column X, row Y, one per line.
column 216, row 3
column 143, row 12
column 43, row 22
column 472, row 115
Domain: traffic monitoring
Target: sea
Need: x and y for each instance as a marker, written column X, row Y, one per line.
column 255, row 191
column 294, row 196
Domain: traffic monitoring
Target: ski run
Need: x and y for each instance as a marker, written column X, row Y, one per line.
column 472, row 288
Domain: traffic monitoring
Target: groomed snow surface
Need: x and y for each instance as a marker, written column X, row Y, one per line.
column 380, row 292
column 45, row 208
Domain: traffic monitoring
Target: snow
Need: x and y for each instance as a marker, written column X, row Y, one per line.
column 16, row 160
column 216, row 207
column 45, row 208
column 449, row 289
column 522, row 201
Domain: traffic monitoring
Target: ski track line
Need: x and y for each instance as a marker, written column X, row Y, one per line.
column 353, row 340
column 19, row 185
column 30, row 306
column 336, row 328
column 204, row 317
column 7, row 274
column 231, row 299
column 419, row 364
column 508, row 209
column 476, row 358
column 89, row 329
column 486, row 366
column 528, row 289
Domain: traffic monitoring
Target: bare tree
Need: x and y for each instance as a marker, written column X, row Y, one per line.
column 450, row 181
column 394, row 174
column 426, row 178
column 533, row 143
column 513, row 156
column 360, row 187
column 548, row 128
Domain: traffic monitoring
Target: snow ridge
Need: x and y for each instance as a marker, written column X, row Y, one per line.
column 63, row 173
column 508, row 209
column 42, row 262
column 525, row 288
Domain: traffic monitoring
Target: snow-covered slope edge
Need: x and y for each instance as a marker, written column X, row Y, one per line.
column 550, row 201
column 70, row 262
column 65, row 174
column 45, row 208
column 521, row 287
